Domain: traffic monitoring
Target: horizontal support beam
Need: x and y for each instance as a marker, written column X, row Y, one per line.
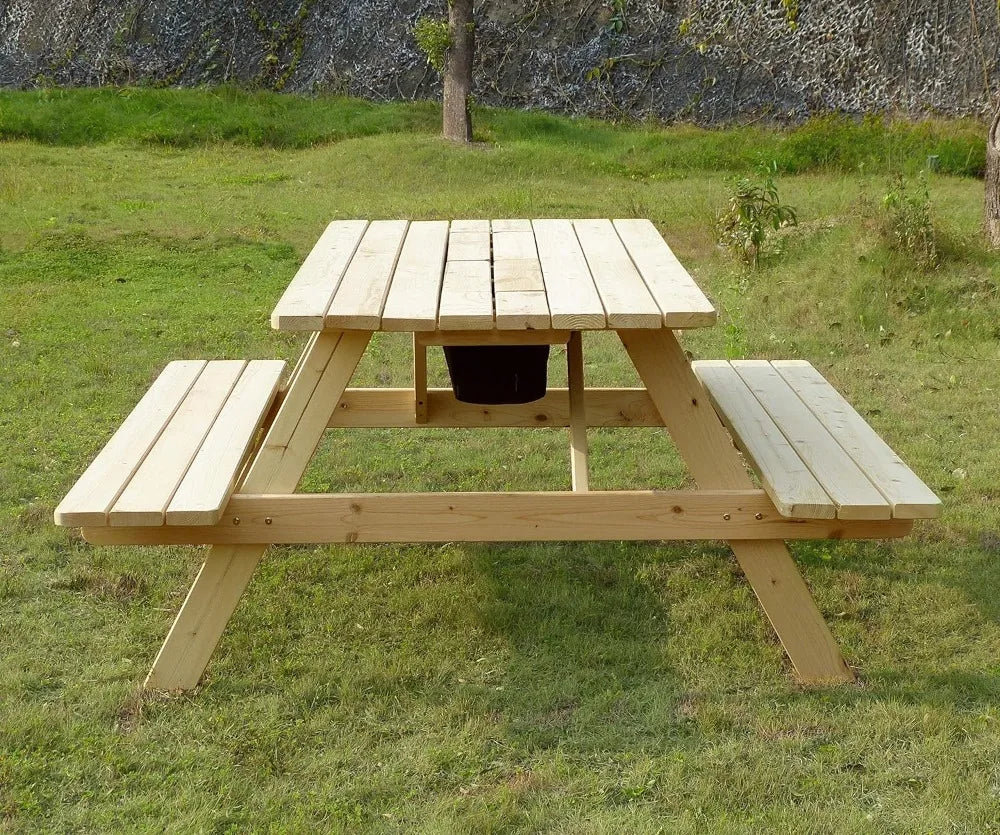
column 492, row 337
column 389, row 408
column 500, row 517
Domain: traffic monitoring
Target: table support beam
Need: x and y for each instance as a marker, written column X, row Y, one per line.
column 577, row 414
column 419, row 382
column 316, row 385
column 713, row 461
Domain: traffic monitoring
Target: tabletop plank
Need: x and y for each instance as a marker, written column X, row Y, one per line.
column 304, row 303
column 412, row 303
column 572, row 295
column 624, row 294
column 519, row 291
column 681, row 301
column 466, row 296
column 358, row 302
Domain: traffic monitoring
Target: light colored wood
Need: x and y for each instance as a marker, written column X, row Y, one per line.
column 469, row 246
column 909, row 496
column 360, row 297
column 503, row 517
column 321, row 377
column 519, row 311
column 792, row 487
column 145, row 498
column 211, row 478
column 419, row 382
column 466, row 225
column 93, row 494
column 623, row 293
column 493, row 337
column 389, row 408
column 842, row 479
column 304, row 304
column 573, row 299
column 514, row 246
column 523, row 274
column 577, row 415
column 706, row 448
column 511, row 225
column 466, row 296
column 412, row 302
column 680, row 299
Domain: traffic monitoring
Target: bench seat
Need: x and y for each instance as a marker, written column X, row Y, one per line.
column 816, row 457
column 176, row 458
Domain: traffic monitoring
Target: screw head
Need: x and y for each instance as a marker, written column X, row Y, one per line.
column 267, row 520
column 726, row 516
column 758, row 516
column 236, row 520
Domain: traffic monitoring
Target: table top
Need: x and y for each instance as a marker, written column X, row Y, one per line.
column 397, row 275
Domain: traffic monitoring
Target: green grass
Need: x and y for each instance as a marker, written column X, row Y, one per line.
column 583, row 688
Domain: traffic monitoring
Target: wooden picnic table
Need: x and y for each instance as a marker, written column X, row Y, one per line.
column 215, row 450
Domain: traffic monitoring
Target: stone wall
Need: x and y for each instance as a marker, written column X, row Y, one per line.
column 707, row 61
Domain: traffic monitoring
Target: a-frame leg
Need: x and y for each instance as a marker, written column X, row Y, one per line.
column 707, row 449
column 577, row 414
column 315, row 388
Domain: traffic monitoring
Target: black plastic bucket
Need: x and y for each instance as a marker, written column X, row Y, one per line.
column 495, row 374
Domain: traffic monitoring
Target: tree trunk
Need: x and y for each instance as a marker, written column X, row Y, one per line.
column 993, row 181
column 458, row 72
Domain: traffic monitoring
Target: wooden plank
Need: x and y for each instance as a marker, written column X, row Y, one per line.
column 522, row 311
column 511, row 225
column 523, row 275
column 393, row 408
column 144, row 500
column 579, row 472
column 493, row 337
column 623, row 292
column 412, row 302
column 842, row 479
column 304, row 303
column 679, row 298
column 469, row 246
column 360, row 297
column 705, row 446
column 465, row 225
column 502, row 517
column 466, row 296
column 211, row 478
column 322, row 374
column 792, row 487
column 909, row 496
column 419, row 382
column 93, row 494
column 573, row 298
column 514, row 246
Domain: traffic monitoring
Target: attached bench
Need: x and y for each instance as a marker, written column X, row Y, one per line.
column 816, row 457
column 177, row 457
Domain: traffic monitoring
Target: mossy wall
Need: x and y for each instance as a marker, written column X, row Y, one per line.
column 707, row 61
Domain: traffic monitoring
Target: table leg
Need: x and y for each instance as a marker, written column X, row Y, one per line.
column 419, row 381
column 577, row 414
column 315, row 388
column 707, row 449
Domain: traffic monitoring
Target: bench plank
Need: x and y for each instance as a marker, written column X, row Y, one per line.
column 909, row 496
column 855, row 496
column 682, row 302
column 145, row 498
column 304, row 303
column 211, row 478
column 794, row 490
column 89, row 499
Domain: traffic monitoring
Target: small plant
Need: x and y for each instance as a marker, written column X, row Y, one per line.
column 433, row 38
column 907, row 223
column 755, row 212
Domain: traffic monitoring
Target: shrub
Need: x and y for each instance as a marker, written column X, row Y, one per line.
column 755, row 212
column 907, row 223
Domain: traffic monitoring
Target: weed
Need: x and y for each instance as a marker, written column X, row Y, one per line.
column 907, row 223
column 754, row 213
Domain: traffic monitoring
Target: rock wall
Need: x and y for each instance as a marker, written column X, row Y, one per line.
column 707, row 61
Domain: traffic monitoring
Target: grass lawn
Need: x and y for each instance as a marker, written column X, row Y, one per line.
column 584, row 688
